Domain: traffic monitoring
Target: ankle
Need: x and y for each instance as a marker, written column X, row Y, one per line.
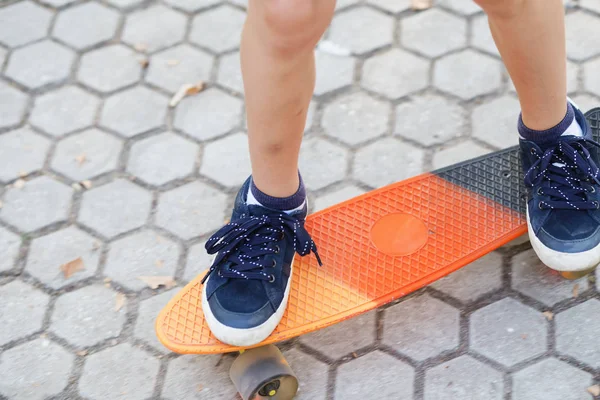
column 292, row 202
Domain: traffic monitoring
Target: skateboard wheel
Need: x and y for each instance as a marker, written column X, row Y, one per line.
column 572, row 275
column 263, row 373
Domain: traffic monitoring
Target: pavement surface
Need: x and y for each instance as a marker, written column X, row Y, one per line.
column 100, row 176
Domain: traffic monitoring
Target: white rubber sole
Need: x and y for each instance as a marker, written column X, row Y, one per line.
column 564, row 262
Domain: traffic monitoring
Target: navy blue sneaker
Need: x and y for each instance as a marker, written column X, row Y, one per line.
column 563, row 209
column 247, row 288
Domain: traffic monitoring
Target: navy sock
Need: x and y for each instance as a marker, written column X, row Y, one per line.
column 280, row 203
column 548, row 135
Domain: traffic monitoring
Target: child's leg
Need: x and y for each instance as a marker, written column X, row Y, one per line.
column 279, row 76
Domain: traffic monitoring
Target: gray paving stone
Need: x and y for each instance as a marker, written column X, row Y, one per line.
column 87, row 316
column 100, row 151
column 192, row 377
column 591, row 76
column 395, row 73
column 57, row 3
column 143, row 253
column 460, row 6
column 9, row 248
column 421, row 327
column 376, row 30
column 340, row 4
column 430, row 119
column 336, row 197
column 3, row 56
column 35, row 370
column 23, row 22
column 242, row 3
column 482, row 36
column 148, row 311
column 312, row 375
column 86, row 25
column 586, row 101
column 172, row 68
column 162, row 158
column 327, row 341
column 198, row 261
column 322, row 163
column 532, row 278
column 191, row 210
column 120, row 372
column 40, row 64
column 229, row 20
column 22, row 152
column 48, row 253
column 582, row 29
column 573, row 72
column 551, row 379
column 64, row 110
column 593, row 5
column 227, row 160
column 208, row 114
column 125, row 4
column 463, row 378
column 41, row 202
column 12, row 105
column 115, row 208
column 333, row 72
column 433, row 32
column 394, row 6
column 387, row 161
column 495, row 122
column 154, row 28
column 192, row 5
column 109, row 68
column 134, row 111
column 508, row 332
column 577, row 332
column 356, row 118
column 391, row 377
column 467, row 74
column 457, row 153
column 230, row 72
column 19, row 299
column 475, row 280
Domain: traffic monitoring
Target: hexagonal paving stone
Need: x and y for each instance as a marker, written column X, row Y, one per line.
column 591, row 76
column 125, row 4
column 495, row 121
column 460, row 152
column 86, row 25
column 12, row 105
column 312, row 375
column 593, row 5
column 208, row 114
column 462, row 378
column 230, row 72
column 3, row 55
column 191, row 5
column 198, row 261
column 395, row 73
column 430, row 119
column 387, row 161
column 508, row 332
column 22, row 152
column 109, row 68
column 41, row 202
column 57, row 3
column 586, row 101
column 162, row 158
column 376, row 30
column 227, row 160
column 482, row 36
column 35, row 370
column 394, row 6
column 154, row 28
column 577, row 332
column 421, row 327
column 554, row 380
column 40, row 64
column 100, row 152
column 581, row 29
column 191, row 210
column 356, row 118
column 194, row 376
column 532, row 278
column 322, row 163
column 327, row 341
column 572, row 78
column 333, row 72
column 67, row 245
column 460, row 6
column 143, row 253
column 134, row 111
column 172, row 68
column 149, row 309
column 120, row 372
column 433, row 32
column 229, row 20
column 391, row 377
column 336, row 197
column 64, row 110
column 19, row 299
column 339, row 4
column 87, row 316
column 9, row 247
column 23, row 22
column 467, row 74
column 483, row 276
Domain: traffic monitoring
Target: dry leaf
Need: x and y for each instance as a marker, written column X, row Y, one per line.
column 22, row 174
column 421, row 4
column 549, row 315
column 186, row 90
column 144, row 62
column 120, row 301
column 141, row 46
column 72, row 267
column 86, row 184
column 524, row 336
column 154, row 282
column 172, row 63
column 107, row 280
column 576, row 290
column 82, row 353
column 19, row 183
column 159, row 263
column 594, row 390
column 199, row 388
column 81, row 159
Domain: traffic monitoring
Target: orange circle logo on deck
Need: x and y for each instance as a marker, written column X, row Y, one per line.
column 399, row 234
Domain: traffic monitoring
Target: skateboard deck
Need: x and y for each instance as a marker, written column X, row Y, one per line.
column 381, row 246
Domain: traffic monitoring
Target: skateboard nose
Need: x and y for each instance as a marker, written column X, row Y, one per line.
column 399, row 234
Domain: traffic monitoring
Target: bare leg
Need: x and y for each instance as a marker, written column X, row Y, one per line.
column 530, row 35
column 278, row 67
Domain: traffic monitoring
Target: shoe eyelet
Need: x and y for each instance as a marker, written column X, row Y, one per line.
column 281, row 236
column 277, row 249
column 273, row 264
column 595, row 203
column 593, row 190
column 540, row 205
column 533, row 151
column 539, row 192
column 271, row 278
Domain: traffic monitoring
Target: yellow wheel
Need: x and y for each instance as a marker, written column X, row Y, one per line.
column 572, row 275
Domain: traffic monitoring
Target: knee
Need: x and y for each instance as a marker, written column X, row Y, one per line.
column 501, row 8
